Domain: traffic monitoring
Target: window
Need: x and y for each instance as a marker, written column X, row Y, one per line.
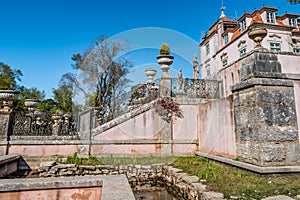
column 293, row 22
column 207, row 49
column 242, row 52
column 243, row 25
column 296, row 50
column 224, row 62
column 271, row 17
column 275, row 46
column 208, row 73
column 226, row 38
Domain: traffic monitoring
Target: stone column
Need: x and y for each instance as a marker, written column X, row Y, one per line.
column 6, row 117
column 165, row 60
column 87, row 121
column 264, row 111
column 5, row 129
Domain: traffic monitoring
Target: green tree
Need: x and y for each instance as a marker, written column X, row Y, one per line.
column 28, row 93
column 9, row 77
column 102, row 76
column 31, row 93
column 63, row 98
column 48, row 105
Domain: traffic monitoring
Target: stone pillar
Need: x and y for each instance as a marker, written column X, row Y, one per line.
column 6, row 118
column 5, row 130
column 87, row 122
column 165, row 60
column 264, row 111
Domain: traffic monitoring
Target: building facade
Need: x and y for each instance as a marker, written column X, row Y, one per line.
column 227, row 40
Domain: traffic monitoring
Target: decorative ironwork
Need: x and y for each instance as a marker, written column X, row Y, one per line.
column 32, row 124
column 67, row 125
column 41, row 123
column 195, row 88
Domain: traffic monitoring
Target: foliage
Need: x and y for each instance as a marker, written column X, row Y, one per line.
column 83, row 161
column 223, row 178
column 27, row 93
column 63, row 98
column 164, row 49
column 102, row 77
column 167, row 108
column 31, row 93
column 48, row 105
column 9, row 77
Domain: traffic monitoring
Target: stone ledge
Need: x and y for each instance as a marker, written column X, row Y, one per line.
column 261, row 81
column 144, row 142
column 50, row 142
column 115, row 187
column 250, row 167
column 23, row 184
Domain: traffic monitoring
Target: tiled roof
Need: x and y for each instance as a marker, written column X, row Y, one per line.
column 236, row 33
column 256, row 18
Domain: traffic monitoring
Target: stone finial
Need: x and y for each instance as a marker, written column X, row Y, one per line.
column 164, row 49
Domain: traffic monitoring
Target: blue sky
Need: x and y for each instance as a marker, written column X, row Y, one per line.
column 40, row 36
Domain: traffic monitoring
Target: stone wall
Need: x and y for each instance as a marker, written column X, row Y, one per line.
column 140, row 177
column 265, row 113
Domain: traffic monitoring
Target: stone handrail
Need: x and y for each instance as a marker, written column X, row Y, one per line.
column 122, row 118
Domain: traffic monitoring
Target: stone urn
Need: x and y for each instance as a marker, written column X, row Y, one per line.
column 165, row 61
column 8, row 96
column 32, row 104
column 257, row 35
column 150, row 73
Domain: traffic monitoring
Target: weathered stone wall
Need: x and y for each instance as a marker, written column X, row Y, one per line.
column 139, row 176
column 265, row 113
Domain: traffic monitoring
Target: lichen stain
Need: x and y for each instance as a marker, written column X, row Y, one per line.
column 81, row 196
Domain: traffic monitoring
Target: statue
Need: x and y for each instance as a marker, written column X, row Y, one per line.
column 196, row 67
column 180, row 80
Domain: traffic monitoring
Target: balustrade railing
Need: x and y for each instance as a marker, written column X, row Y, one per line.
column 195, row 88
column 142, row 94
column 41, row 123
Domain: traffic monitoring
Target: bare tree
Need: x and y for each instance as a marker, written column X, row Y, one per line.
column 102, row 76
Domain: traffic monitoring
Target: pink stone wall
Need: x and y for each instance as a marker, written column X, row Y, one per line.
column 186, row 129
column 55, row 194
column 289, row 63
column 42, row 150
column 297, row 104
column 216, row 123
column 143, row 126
column 126, row 149
column 230, row 76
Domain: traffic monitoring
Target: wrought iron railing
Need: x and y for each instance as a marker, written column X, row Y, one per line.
column 41, row 123
column 195, row 88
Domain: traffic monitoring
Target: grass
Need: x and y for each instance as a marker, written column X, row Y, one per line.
column 217, row 177
column 83, row 161
column 236, row 182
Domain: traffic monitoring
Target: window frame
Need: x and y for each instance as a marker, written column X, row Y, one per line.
column 270, row 17
column 226, row 38
column 274, row 48
column 293, row 22
column 243, row 25
column 244, row 50
column 224, row 62
column 296, row 50
column 207, row 47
